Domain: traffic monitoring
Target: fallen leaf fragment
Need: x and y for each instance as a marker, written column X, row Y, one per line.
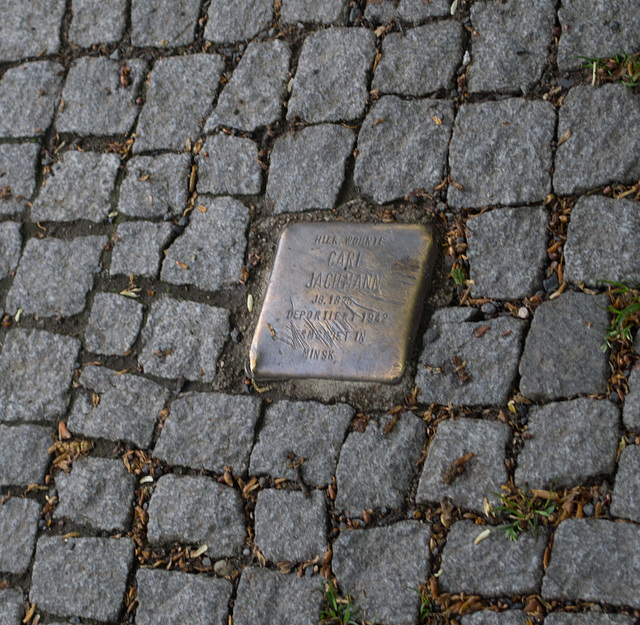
column 564, row 137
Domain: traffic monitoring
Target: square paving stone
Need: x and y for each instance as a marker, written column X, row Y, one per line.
column 315, row 11
column 509, row 617
column 290, row 527
column 596, row 30
column 210, row 252
column 270, row 598
column 97, row 21
column 11, row 607
column 308, row 169
column 159, row 23
column 96, row 102
column 28, row 95
column 254, row 95
column 483, row 474
column 572, row 442
column 197, row 510
column 229, row 165
column 84, row 577
column 29, row 28
column 511, row 51
column 375, row 469
column 501, row 153
column 138, row 250
column 127, row 409
column 237, row 20
column 113, row 325
column 419, row 61
column 594, row 560
column 491, row 355
column 379, row 568
column 10, row 247
column 309, row 430
column 80, row 187
column 209, row 431
column 626, row 494
column 155, row 186
column 98, row 492
column 562, row 355
column 402, row 148
column 599, row 225
column 631, row 412
column 17, row 175
column 23, row 450
column 496, row 566
column 18, row 528
column 566, row 618
column 54, row 276
column 596, row 154
column 36, row 368
column 170, row 597
column 508, row 252
column 332, row 76
column 178, row 99
column 183, row 339
column 412, row 11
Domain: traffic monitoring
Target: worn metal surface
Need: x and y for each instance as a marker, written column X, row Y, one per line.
column 343, row 302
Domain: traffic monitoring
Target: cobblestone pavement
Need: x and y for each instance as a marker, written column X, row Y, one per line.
column 152, row 151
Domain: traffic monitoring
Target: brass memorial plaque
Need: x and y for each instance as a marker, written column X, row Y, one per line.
column 343, row 302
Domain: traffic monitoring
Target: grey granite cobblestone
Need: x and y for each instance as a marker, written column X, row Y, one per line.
column 376, row 469
column 127, row 406
column 209, row 431
column 514, row 42
column 197, row 510
column 11, row 606
column 10, row 247
column 599, row 225
column 362, row 561
column 495, row 566
column 113, row 325
column 23, row 450
column 594, row 560
column 308, row 168
column 19, row 521
column 29, row 28
column 562, row 355
column 210, row 252
column 625, row 502
column 631, row 411
column 593, row 618
column 163, row 24
column 419, row 61
column 237, row 20
column 571, row 442
column 599, row 153
column 412, row 11
column 501, row 153
column 55, row 275
column 307, row 429
column 402, row 147
column 270, row 598
column 28, row 94
column 507, row 252
column 183, row 339
column 98, row 492
column 83, row 577
column 313, row 11
column 255, row 93
column 331, row 80
column 289, row 526
column 36, row 368
column 491, row 357
column 178, row 99
column 80, row 187
column 483, row 474
column 96, row 102
column 509, row 617
column 97, row 21
column 155, row 185
column 138, row 248
column 169, row 597
column 17, row 172
column 229, row 165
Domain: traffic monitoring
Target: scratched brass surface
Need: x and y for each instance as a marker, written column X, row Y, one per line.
column 343, row 302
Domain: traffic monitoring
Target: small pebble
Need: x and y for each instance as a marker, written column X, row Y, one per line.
column 588, row 509
column 466, row 59
column 489, row 308
column 246, row 552
column 523, row 312
column 206, row 561
column 565, row 83
column 222, row 568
